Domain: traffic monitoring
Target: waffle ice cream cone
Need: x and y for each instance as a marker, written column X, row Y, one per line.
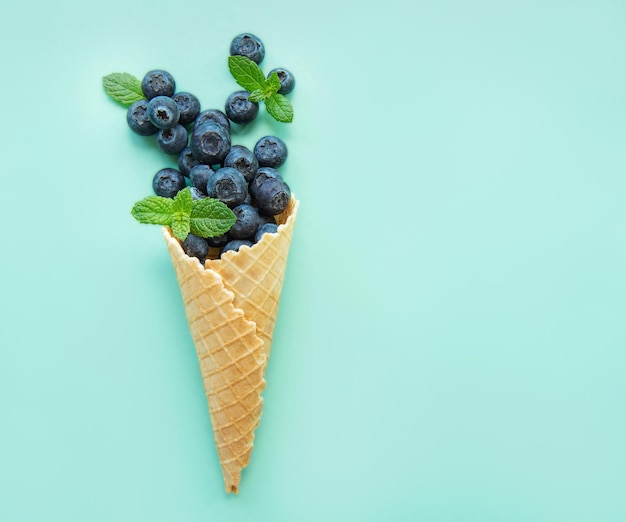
column 231, row 306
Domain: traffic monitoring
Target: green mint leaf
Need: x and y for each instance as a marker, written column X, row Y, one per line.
column 123, row 88
column 246, row 73
column 272, row 84
column 256, row 95
column 270, row 87
column 210, row 217
column 279, row 108
column 153, row 210
column 181, row 214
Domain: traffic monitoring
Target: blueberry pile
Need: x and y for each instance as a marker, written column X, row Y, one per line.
column 246, row 180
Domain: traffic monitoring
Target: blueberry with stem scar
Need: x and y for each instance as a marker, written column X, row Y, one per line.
column 228, row 185
column 242, row 159
column 248, row 45
column 163, row 112
column 210, row 143
column 137, row 118
column 188, row 105
column 270, row 151
column 158, row 83
column 168, row 182
column 173, row 140
column 240, row 109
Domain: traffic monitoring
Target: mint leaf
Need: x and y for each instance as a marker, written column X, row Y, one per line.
column 153, row 210
column 123, row 88
column 272, row 84
column 256, row 95
column 210, row 217
column 181, row 212
column 279, row 108
column 246, row 73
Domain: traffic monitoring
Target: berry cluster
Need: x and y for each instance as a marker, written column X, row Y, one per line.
column 248, row 182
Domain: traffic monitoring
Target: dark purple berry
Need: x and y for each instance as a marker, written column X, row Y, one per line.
column 158, row 83
column 218, row 241
column 242, row 159
column 246, row 224
column 188, row 105
column 267, row 228
column 228, row 185
column 213, row 115
column 137, row 118
column 186, row 161
column 272, row 197
column 287, row 81
column 196, row 193
column 240, row 109
column 199, row 176
column 271, row 151
column 263, row 174
column 174, row 140
column 248, row 45
column 168, row 182
column 236, row 244
column 163, row 113
column 210, row 143
column 196, row 246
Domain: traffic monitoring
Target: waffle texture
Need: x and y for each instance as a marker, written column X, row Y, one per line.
column 231, row 306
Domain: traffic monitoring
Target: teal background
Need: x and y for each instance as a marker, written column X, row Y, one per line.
column 451, row 340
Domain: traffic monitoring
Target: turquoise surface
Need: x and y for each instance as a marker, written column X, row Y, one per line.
column 451, row 340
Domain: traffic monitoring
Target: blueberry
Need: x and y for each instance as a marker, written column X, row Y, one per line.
column 174, row 140
column 210, row 143
column 243, row 160
column 267, row 228
column 264, row 219
column 240, row 109
column 236, row 244
column 248, row 45
column 247, row 222
column 271, row 151
column 168, row 182
column 199, row 176
column 214, row 115
column 163, row 112
column 287, row 81
column 195, row 246
column 158, row 83
column 272, row 197
column 186, row 161
column 218, row 241
column 228, row 185
column 263, row 174
column 188, row 105
column 196, row 193
column 137, row 118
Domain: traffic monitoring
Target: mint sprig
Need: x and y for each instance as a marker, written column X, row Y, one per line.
column 210, row 218
column 123, row 88
column 249, row 75
column 205, row 217
column 246, row 73
column 181, row 214
column 279, row 108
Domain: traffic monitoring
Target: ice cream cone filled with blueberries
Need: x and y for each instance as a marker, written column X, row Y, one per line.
column 228, row 218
